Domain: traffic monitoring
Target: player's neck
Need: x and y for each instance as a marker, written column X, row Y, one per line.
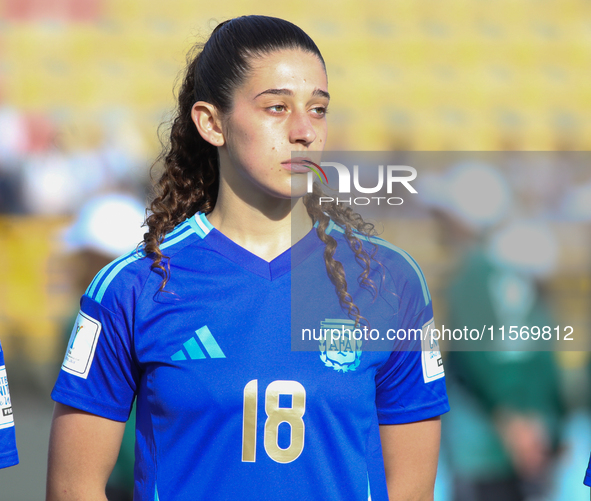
column 265, row 233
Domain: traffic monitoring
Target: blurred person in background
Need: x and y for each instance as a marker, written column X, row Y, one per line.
column 502, row 437
column 13, row 145
column 78, row 164
column 107, row 226
column 505, row 436
column 8, row 450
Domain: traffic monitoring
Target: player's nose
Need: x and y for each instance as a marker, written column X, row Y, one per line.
column 301, row 129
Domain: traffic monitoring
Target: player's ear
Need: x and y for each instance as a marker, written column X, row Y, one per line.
column 207, row 119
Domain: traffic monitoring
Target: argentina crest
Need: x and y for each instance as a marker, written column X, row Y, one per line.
column 338, row 347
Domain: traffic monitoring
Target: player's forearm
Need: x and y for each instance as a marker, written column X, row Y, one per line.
column 396, row 492
column 410, row 459
column 58, row 490
column 83, row 449
column 69, row 480
column 411, row 497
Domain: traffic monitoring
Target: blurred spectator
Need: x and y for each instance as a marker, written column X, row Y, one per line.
column 503, row 431
column 13, row 144
column 504, row 434
column 49, row 168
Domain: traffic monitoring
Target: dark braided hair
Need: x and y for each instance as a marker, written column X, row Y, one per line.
column 189, row 182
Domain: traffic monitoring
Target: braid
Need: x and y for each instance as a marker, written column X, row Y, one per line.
column 351, row 222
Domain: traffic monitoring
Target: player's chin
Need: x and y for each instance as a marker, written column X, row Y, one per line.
column 299, row 185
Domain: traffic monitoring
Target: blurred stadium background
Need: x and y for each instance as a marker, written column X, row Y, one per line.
column 84, row 85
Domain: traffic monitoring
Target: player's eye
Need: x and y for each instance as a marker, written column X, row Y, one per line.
column 277, row 108
column 320, row 111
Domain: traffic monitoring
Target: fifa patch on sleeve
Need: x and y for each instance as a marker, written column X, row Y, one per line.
column 6, row 419
column 431, row 355
column 82, row 346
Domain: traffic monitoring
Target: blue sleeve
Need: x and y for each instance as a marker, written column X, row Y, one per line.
column 404, row 394
column 8, row 451
column 587, row 480
column 99, row 373
column 410, row 386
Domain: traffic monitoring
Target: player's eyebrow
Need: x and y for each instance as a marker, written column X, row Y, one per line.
column 289, row 92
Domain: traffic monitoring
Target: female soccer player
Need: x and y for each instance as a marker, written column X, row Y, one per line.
column 196, row 326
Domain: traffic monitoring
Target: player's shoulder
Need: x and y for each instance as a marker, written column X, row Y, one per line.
column 398, row 264
column 129, row 273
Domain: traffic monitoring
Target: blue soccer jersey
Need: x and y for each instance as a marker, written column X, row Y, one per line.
column 587, row 480
column 8, row 452
column 229, row 405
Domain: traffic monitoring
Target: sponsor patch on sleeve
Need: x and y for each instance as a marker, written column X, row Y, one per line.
column 6, row 419
column 431, row 355
column 82, row 346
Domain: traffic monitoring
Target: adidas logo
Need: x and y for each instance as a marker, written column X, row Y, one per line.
column 198, row 347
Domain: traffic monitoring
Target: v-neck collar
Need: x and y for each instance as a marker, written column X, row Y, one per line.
column 270, row 270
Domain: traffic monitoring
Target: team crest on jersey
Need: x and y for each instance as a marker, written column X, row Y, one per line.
column 338, row 347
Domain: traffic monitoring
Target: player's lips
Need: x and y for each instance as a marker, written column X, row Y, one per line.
column 298, row 164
